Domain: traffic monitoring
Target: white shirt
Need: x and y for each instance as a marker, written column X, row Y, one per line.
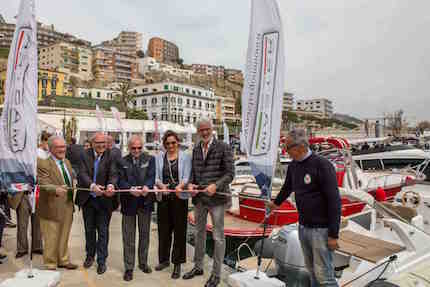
column 203, row 147
column 43, row 154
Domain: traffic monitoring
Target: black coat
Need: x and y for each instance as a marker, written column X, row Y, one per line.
column 144, row 174
column 106, row 174
column 74, row 154
column 216, row 168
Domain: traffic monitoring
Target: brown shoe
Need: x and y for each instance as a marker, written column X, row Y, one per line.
column 69, row 266
column 52, row 268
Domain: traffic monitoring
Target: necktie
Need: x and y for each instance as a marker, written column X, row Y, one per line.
column 96, row 168
column 205, row 150
column 67, row 181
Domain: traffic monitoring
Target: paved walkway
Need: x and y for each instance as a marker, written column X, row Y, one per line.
column 113, row 276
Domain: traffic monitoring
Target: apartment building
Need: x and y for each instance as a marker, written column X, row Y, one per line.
column 149, row 64
column 96, row 93
column 163, row 51
column 287, row 102
column 321, row 105
column 209, row 70
column 68, row 58
column 170, row 101
column 127, row 42
column 111, row 66
column 46, row 35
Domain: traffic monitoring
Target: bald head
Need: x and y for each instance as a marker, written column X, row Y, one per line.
column 109, row 142
column 99, row 143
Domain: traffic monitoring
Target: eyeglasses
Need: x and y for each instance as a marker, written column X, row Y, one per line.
column 170, row 143
column 136, row 148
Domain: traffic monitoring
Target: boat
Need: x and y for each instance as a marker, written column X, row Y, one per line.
column 381, row 244
column 385, row 155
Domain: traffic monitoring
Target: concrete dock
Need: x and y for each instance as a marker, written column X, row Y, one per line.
column 113, row 276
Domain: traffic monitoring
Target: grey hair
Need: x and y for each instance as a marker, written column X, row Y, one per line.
column 96, row 134
column 299, row 137
column 51, row 140
column 203, row 121
column 133, row 139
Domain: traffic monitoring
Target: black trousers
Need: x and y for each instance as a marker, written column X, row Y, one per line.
column 172, row 215
column 96, row 222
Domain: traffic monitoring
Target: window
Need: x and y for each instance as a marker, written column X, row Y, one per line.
column 188, row 102
column 144, row 102
column 173, row 100
column 200, row 104
column 164, row 100
column 194, row 103
column 180, row 101
column 194, row 92
column 187, row 90
column 199, row 93
column 154, row 90
column 98, row 95
column 166, row 87
column 154, row 101
column 144, row 90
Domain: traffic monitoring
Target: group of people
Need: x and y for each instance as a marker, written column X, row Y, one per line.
column 105, row 182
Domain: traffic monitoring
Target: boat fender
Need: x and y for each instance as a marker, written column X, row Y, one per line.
column 380, row 194
column 409, row 180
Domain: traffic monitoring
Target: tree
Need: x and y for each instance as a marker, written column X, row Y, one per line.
column 125, row 97
column 136, row 114
column 424, row 125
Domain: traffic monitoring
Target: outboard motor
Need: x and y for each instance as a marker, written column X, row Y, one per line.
column 289, row 259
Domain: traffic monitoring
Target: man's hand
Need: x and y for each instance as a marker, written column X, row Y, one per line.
column 109, row 192
column 332, row 243
column 211, row 189
column 192, row 189
column 60, row 191
column 98, row 189
column 271, row 206
column 135, row 191
column 145, row 190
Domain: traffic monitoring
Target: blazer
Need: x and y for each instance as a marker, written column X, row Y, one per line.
column 51, row 206
column 106, row 174
column 184, row 170
column 128, row 178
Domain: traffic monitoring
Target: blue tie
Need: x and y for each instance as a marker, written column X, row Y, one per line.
column 96, row 168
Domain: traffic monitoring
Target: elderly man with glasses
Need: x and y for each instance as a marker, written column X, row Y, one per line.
column 313, row 180
column 137, row 174
column 98, row 177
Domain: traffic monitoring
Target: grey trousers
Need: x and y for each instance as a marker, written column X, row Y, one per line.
column 23, row 213
column 217, row 215
column 129, row 238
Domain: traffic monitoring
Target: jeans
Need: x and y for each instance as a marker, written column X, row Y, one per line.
column 318, row 258
column 217, row 215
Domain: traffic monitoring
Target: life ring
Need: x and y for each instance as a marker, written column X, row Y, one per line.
column 411, row 197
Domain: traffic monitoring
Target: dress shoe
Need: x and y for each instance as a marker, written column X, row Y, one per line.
column 101, row 268
column 145, row 268
column 213, row 281
column 50, row 268
column 88, row 262
column 194, row 272
column 20, row 254
column 69, row 266
column 176, row 271
column 162, row 266
column 128, row 275
column 38, row 251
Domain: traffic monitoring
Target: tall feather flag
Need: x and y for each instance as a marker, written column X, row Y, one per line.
column 18, row 125
column 226, row 133
column 100, row 118
column 117, row 116
column 262, row 92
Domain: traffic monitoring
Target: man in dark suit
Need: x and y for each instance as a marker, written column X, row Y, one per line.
column 97, row 173
column 74, row 154
column 137, row 173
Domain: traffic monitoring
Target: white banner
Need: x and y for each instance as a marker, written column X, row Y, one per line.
column 263, row 90
column 226, row 133
column 100, row 118
column 117, row 116
column 18, row 126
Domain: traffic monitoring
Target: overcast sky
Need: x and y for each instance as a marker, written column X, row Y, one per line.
column 368, row 57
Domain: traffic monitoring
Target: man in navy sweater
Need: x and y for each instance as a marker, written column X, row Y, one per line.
column 313, row 180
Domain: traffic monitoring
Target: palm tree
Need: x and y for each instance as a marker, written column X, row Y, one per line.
column 125, row 97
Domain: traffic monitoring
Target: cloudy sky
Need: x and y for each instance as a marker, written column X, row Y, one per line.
column 369, row 57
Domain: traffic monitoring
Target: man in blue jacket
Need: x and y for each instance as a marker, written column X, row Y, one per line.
column 137, row 173
column 313, row 180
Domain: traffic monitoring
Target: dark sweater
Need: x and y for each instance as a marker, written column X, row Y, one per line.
column 317, row 195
